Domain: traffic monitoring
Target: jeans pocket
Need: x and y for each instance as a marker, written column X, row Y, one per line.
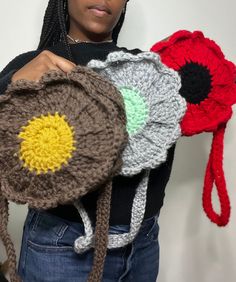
column 118, row 229
column 46, row 231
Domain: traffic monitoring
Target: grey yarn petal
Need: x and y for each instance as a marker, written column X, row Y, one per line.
column 145, row 81
column 85, row 242
column 158, row 86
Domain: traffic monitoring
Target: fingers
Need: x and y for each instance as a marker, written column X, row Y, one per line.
column 61, row 63
column 44, row 62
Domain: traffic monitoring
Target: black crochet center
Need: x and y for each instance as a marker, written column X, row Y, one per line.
column 196, row 82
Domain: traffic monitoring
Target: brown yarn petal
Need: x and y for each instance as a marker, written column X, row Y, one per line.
column 95, row 109
column 100, row 135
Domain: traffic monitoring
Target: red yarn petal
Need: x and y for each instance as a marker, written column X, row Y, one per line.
column 211, row 113
column 208, row 115
column 185, row 46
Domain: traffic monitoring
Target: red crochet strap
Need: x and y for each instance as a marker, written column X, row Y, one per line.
column 215, row 173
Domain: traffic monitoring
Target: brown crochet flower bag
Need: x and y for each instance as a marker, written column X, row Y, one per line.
column 61, row 137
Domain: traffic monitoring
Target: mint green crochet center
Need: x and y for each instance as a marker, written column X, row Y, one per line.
column 136, row 110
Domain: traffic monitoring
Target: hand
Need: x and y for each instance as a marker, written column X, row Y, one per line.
column 44, row 62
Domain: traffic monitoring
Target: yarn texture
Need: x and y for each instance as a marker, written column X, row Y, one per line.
column 150, row 87
column 61, row 137
column 84, row 243
column 208, row 85
column 154, row 109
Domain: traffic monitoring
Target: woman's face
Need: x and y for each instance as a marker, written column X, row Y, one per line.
column 91, row 18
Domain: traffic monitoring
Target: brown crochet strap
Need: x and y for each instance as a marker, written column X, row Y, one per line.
column 101, row 233
column 5, row 237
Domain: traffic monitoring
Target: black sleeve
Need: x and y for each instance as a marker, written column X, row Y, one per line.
column 158, row 180
column 16, row 64
column 159, row 176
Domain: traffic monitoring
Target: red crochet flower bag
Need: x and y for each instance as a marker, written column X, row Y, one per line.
column 208, row 85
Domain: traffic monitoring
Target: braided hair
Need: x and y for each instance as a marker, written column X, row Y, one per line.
column 56, row 25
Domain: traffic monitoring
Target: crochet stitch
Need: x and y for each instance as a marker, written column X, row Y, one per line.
column 86, row 242
column 61, row 138
column 208, row 85
column 144, row 76
column 151, row 89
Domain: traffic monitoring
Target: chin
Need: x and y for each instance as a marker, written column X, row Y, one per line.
column 97, row 30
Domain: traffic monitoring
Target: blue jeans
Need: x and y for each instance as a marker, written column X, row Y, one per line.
column 47, row 252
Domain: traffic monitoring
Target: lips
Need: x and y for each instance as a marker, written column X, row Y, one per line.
column 101, row 8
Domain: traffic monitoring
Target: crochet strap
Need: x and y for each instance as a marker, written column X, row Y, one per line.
column 215, row 173
column 5, row 237
column 85, row 242
column 101, row 233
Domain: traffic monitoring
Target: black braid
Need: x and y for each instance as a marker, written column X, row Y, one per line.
column 119, row 25
column 56, row 25
column 62, row 12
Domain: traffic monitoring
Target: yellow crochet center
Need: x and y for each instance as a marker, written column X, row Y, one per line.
column 47, row 143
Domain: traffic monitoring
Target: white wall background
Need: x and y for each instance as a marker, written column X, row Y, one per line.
column 192, row 248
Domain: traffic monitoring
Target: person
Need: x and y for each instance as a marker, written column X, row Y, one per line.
column 73, row 33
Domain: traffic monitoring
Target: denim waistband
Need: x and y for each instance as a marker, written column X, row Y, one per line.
column 145, row 226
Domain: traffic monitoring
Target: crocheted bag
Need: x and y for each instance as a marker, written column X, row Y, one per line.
column 154, row 109
column 61, row 138
column 208, row 85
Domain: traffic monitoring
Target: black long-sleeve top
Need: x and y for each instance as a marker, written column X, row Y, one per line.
column 123, row 188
